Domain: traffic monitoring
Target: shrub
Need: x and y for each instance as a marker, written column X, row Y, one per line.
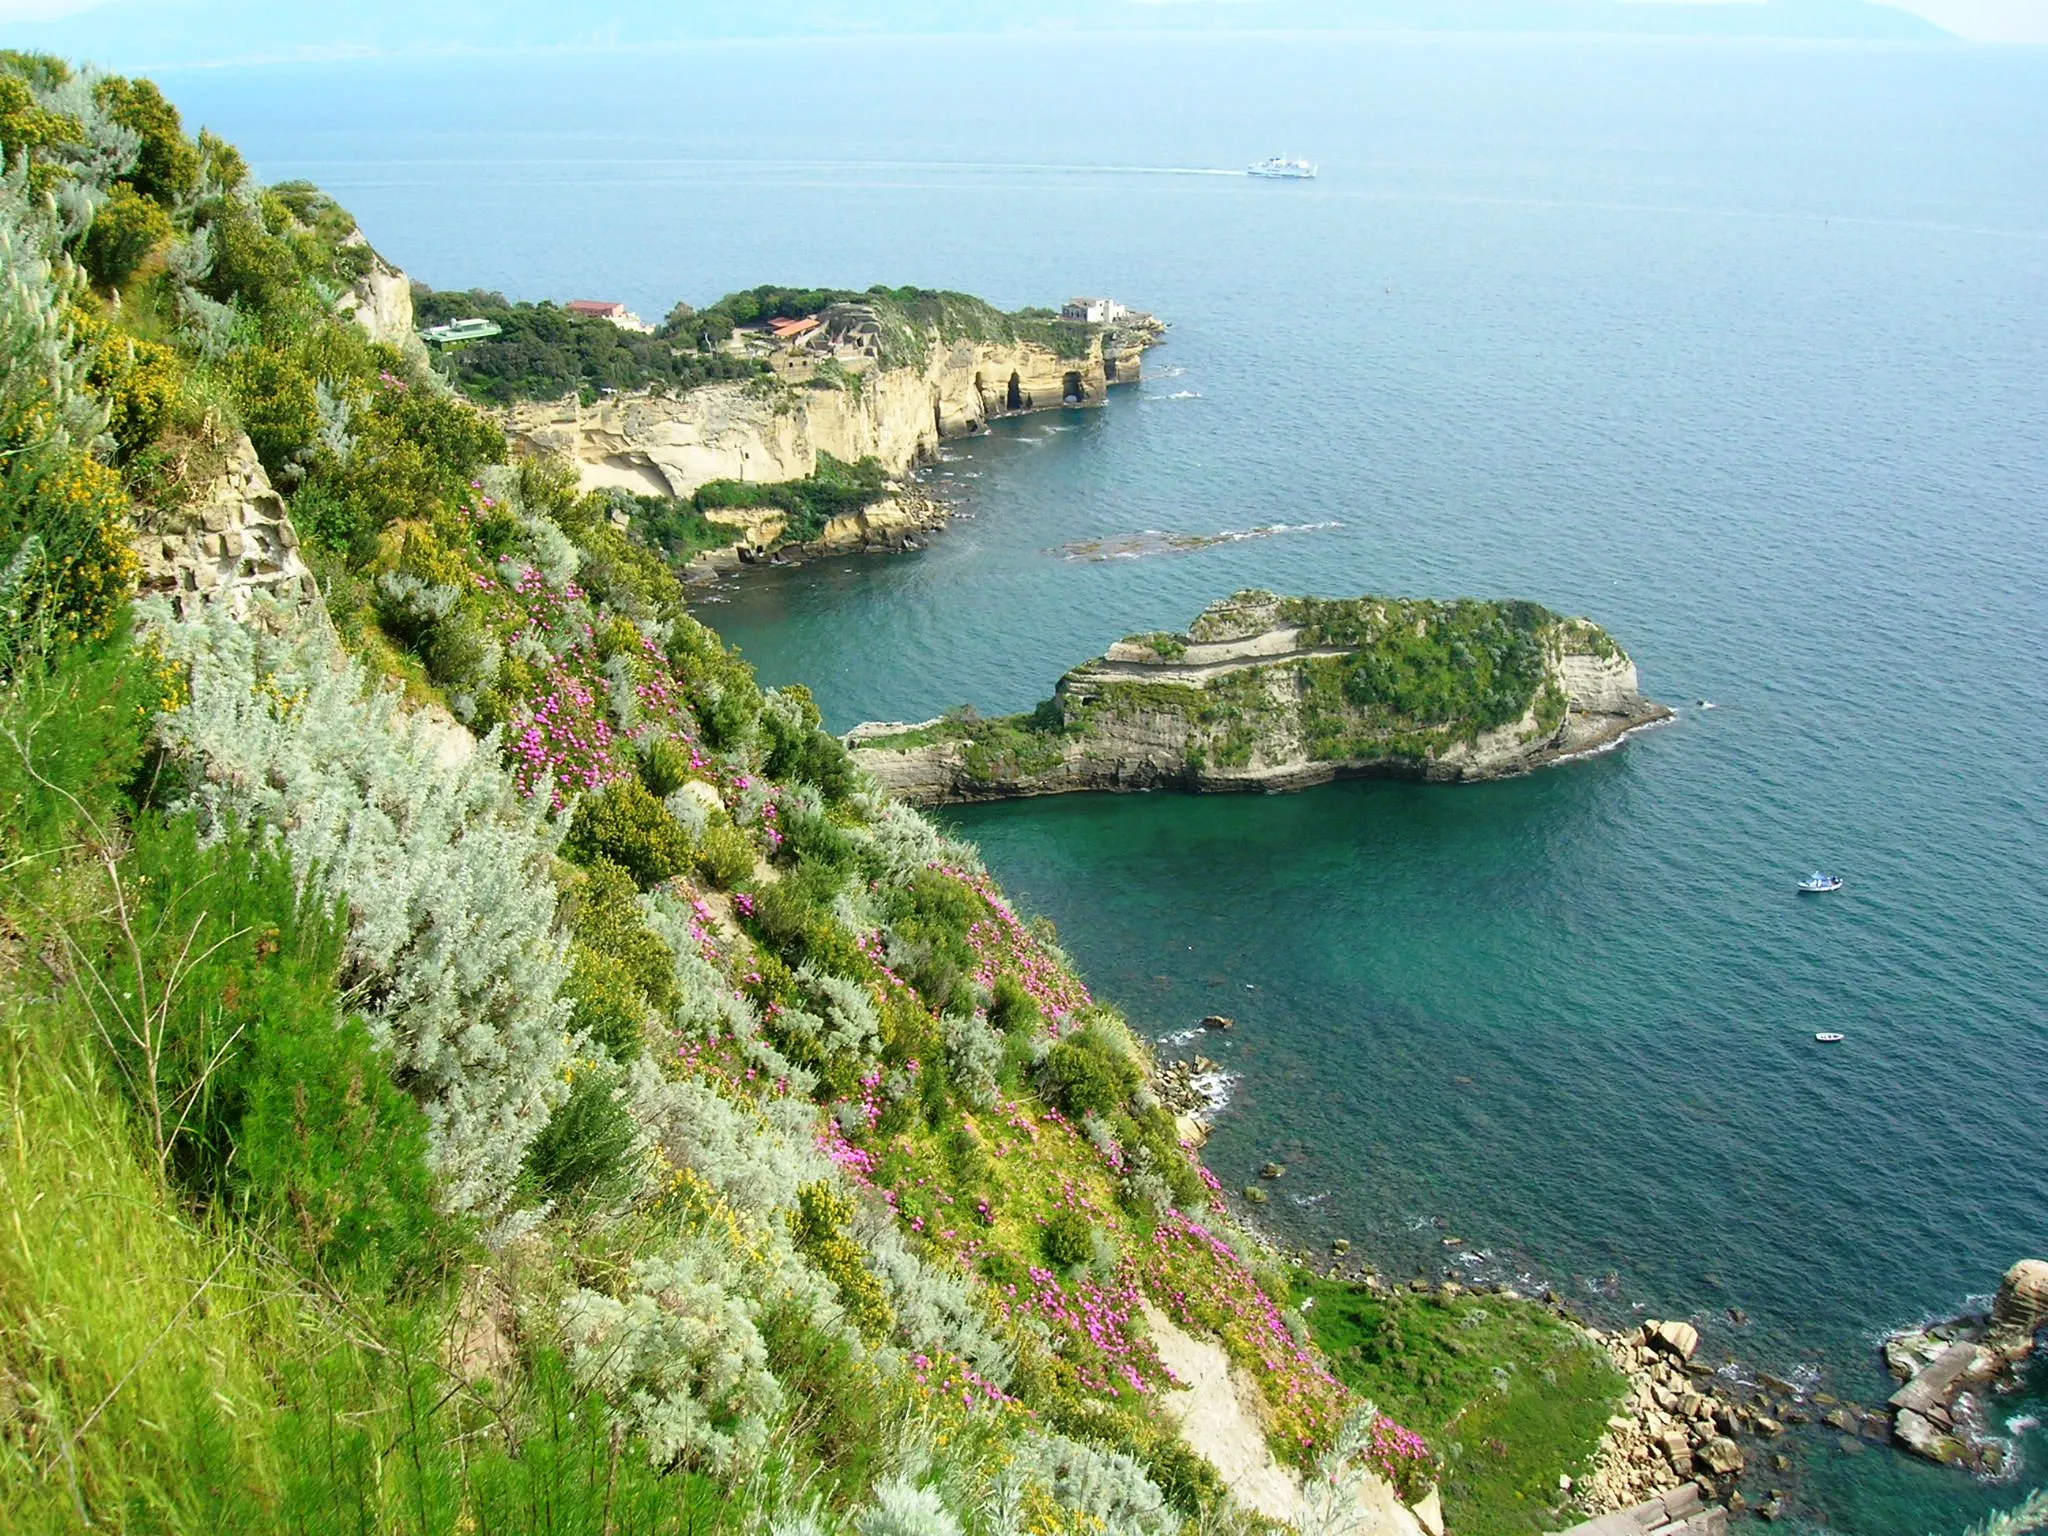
column 126, row 228
column 225, row 1021
column 818, row 1226
column 66, row 567
column 167, row 164
column 444, row 869
column 1109, row 1486
column 1013, row 1010
column 799, row 747
column 682, row 1355
column 585, row 1150
column 279, row 405
column 725, row 856
column 624, row 824
column 1084, row 1074
column 664, row 766
column 901, row 1508
column 609, row 1008
column 141, row 382
column 974, row 1054
column 1069, row 1240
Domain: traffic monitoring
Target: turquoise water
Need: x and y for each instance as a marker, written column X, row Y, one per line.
column 1738, row 350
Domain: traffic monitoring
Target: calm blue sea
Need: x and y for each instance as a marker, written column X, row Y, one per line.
column 1741, row 350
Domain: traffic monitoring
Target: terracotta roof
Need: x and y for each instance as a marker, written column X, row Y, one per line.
column 595, row 307
column 784, row 330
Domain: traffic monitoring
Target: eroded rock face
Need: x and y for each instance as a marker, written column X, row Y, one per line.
column 2022, row 1300
column 1939, row 1411
column 380, row 301
column 235, row 542
column 1262, row 693
column 671, row 445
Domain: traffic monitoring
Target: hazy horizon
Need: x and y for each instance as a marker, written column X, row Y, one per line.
column 159, row 34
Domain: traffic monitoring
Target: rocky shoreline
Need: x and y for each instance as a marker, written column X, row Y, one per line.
column 1687, row 1433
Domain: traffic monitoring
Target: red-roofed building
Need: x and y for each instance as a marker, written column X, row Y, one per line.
column 788, row 330
column 608, row 309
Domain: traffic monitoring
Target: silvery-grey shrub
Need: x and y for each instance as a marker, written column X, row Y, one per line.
column 681, row 1354
column 1110, row 1486
column 453, row 952
column 900, row 1507
column 974, row 1054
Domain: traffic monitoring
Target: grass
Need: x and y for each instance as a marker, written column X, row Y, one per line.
column 1509, row 1395
column 126, row 1337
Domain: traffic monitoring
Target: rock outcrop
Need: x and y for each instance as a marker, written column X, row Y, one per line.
column 1269, row 693
column 770, row 430
column 231, row 544
column 1938, row 1412
column 380, row 301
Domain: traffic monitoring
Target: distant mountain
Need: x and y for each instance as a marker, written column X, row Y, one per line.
column 132, row 34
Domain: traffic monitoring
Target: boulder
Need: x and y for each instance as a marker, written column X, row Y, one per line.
column 1429, row 1512
column 1918, row 1434
column 1219, row 1021
column 1680, row 1340
column 1720, row 1456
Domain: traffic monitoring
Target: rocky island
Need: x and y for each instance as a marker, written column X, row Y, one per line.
column 1279, row 693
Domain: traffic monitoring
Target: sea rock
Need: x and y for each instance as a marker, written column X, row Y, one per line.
column 2021, row 1305
column 1918, row 1434
column 1273, row 1171
column 1721, row 1456
column 1219, row 1021
column 1677, row 1339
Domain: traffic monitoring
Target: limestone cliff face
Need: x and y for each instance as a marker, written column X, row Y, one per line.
column 380, row 301
column 1266, row 693
column 768, row 430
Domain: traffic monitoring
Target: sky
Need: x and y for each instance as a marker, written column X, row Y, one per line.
column 136, row 34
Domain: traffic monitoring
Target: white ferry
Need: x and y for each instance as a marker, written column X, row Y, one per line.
column 1281, row 168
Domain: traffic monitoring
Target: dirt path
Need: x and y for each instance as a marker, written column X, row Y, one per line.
column 1218, row 1417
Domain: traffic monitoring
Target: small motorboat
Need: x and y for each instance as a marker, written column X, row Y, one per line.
column 1818, row 884
column 1828, row 1037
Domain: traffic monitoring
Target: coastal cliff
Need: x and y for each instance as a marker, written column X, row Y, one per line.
column 1271, row 693
column 777, row 427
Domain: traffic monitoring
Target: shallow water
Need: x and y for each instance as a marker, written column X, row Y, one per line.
column 1738, row 350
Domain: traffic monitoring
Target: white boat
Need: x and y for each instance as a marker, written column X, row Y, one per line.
column 1826, row 1037
column 1282, row 168
column 1818, row 884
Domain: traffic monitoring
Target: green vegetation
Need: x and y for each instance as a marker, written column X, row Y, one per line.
column 544, row 352
column 1002, row 749
column 1166, row 647
column 835, row 489
column 621, row 1117
column 909, row 319
column 1510, row 1396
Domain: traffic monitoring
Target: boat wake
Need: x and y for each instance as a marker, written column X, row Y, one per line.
column 1153, row 541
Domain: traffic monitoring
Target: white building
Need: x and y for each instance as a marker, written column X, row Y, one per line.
column 1093, row 311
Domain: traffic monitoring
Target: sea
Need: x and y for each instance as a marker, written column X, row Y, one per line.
column 1740, row 349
